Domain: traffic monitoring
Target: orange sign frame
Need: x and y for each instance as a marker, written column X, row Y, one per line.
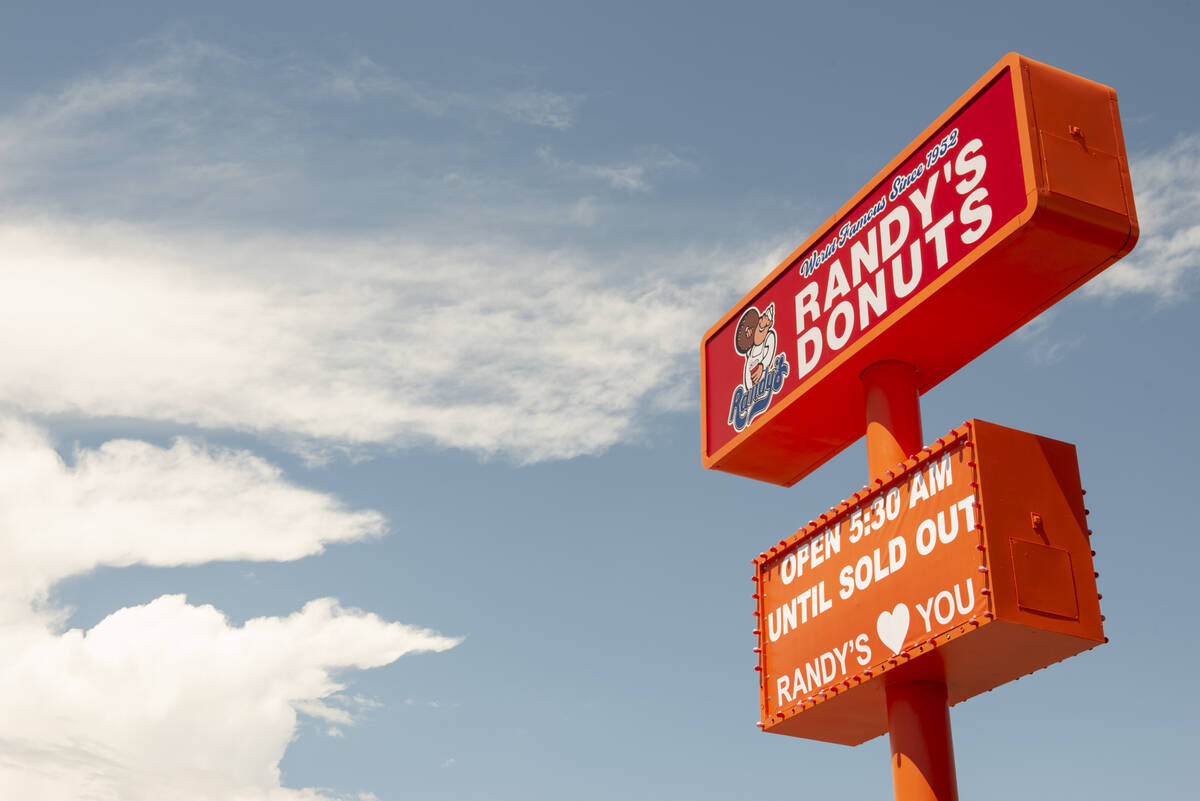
column 1078, row 217
column 975, row 555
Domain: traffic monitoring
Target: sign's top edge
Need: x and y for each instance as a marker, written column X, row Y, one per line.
column 1011, row 61
column 961, row 434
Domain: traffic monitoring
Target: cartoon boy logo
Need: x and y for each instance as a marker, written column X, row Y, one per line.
column 756, row 341
column 763, row 374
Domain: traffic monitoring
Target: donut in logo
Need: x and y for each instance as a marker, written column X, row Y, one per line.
column 764, row 370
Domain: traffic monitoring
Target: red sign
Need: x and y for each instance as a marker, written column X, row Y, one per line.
column 976, row 553
column 1017, row 194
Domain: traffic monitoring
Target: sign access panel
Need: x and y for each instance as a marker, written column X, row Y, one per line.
column 1011, row 199
column 975, row 554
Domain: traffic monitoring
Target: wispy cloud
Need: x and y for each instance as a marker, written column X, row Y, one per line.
column 362, row 78
column 174, row 130
column 200, row 136
column 206, row 265
column 346, row 342
column 632, row 176
column 1046, row 347
column 170, row 73
column 1166, row 259
column 539, row 107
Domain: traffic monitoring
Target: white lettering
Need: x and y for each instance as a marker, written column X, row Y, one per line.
column 809, row 347
column 833, row 539
column 827, row 669
column 893, row 503
column 871, row 301
column 966, row 162
column 798, row 683
column 967, row 504
column 862, row 646
column 788, row 613
column 923, row 611
column 971, row 213
column 926, row 537
column 897, row 553
column 864, row 257
column 940, row 475
column 902, row 287
column 924, row 202
column 837, row 284
column 817, row 551
column 788, row 575
column 846, row 579
column 965, row 606
column 937, row 235
column 840, row 653
column 947, row 537
column 890, row 245
column 862, row 572
column 937, row 607
column 917, row 490
column 806, row 305
column 845, row 312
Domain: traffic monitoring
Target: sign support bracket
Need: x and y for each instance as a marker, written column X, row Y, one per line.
column 917, row 709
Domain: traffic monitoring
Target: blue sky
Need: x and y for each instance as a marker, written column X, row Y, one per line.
column 349, row 441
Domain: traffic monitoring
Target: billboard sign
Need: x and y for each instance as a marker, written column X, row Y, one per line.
column 980, row 540
column 1011, row 199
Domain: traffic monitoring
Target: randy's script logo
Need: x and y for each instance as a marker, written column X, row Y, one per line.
column 763, row 375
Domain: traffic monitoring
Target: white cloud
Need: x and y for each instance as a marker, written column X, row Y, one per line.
column 167, row 700
column 129, row 502
column 159, row 283
column 1165, row 260
column 139, row 283
column 346, row 342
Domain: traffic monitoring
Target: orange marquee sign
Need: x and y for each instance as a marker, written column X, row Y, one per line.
column 1011, row 199
column 976, row 553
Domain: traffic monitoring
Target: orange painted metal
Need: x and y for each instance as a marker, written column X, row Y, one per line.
column 967, row 564
column 780, row 370
column 922, row 749
column 918, row 714
column 893, row 410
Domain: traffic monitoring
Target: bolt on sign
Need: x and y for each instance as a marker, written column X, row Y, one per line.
column 975, row 552
column 1011, row 199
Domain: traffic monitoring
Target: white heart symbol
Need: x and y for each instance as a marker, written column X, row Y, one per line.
column 893, row 627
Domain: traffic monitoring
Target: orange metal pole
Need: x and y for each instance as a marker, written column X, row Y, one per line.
column 917, row 710
column 922, row 751
column 893, row 415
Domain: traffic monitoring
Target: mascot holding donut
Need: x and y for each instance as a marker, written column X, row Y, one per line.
column 756, row 341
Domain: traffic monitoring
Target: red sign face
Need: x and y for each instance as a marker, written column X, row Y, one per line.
column 976, row 554
column 917, row 223
column 944, row 233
